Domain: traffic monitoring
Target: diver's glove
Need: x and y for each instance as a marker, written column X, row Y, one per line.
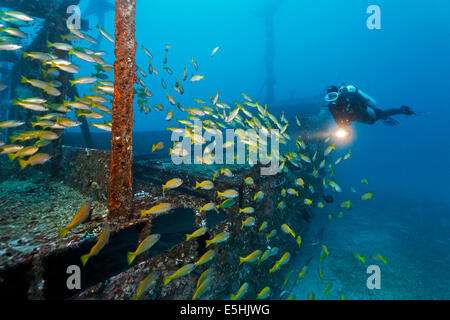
column 407, row 110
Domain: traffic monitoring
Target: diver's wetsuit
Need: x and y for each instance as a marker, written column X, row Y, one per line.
column 351, row 106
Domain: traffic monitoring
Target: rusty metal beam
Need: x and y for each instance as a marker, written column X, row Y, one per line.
column 120, row 203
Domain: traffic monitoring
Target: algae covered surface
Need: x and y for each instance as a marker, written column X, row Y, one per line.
column 32, row 211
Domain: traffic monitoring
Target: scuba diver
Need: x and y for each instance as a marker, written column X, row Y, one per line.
column 348, row 104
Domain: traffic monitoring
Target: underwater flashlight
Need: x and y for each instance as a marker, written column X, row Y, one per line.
column 342, row 133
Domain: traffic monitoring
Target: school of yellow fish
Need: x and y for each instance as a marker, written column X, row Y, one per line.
column 215, row 116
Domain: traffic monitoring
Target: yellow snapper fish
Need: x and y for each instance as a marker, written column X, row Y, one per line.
column 292, row 192
column 273, row 251
column 204, row 286
column 194, row 63
column 346, row 205
column 299, row 182
column 380, row 257
column 241, row 292
column 249, row 222
column 227, row 204
column 198, row 233
column 271, row 234
column 144, row 246
column 320, row 273
column 247, row 210
column 197, row 78
column 263, row 226
column 10, row 148
column 335, row 186
column 305, row 158
column 281, row 205
column 348, row 155
column 24, row 152
column 315, row 173
column 80, row 217
column 158, row 209
column 208, row 256
column 364, row 181
column 172, row 184
column 258, row 196
column 146, row 284
column 183, row 271
column 102, row 241
column 158, row 146
column 221, row 237
column 283, row 260
column 39, row 158
column 102, row 126
column 252, row 257
column 327, row 288
column 359, row 257
column 299, row 241
column 301, row 274
column 83, row 80
column 286, row 229
column 226, row 172
column 205, row 185
column 329, row 149
column 11, row 124
column 30, row 106
column 367, row 196
column 205, row 275
column 229, row 194
column 105, row 34
column 18, row 15
column 208, row 207
column 263, row 294
column 169, row 115
column 291, row 297
column 308, row 202
column 322, row 164
column 266, row 255
column 9, row 47
column 249, row 181
column 286, row 279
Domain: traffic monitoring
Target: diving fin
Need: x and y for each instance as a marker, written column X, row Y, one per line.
column 391, row 122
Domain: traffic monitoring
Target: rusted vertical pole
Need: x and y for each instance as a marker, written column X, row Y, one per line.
column 120, row 186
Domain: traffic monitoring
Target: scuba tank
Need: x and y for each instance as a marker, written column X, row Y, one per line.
column 370, row 101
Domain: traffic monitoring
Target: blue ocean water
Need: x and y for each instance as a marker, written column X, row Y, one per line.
column 327, row 42
column 319, row 43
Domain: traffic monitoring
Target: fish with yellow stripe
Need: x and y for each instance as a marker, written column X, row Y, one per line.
column 102, row 241
column 183, row 271
column 80, row 217
column 144, row 246
column 252, row 257
column 146, row 284
column 241, row 292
